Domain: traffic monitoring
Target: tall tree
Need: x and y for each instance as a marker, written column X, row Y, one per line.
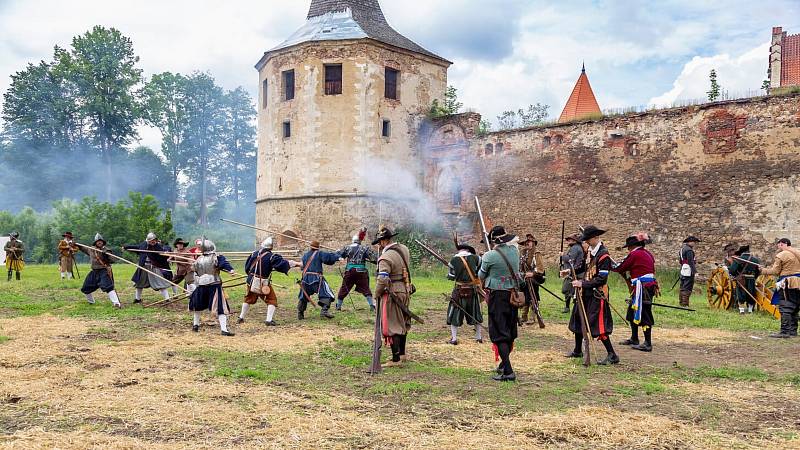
column 104, row 68
column 166, row 98
column 239, row 132
column 205, row 123
column 715, row 90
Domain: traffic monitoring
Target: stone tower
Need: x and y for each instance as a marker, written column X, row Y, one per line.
column 340, row 104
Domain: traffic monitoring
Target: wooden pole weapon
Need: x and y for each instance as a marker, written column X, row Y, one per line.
column 276, row 233
column 95, row 249
column 585, row 328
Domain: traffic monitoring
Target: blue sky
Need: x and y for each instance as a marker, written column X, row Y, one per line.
column 506, row 53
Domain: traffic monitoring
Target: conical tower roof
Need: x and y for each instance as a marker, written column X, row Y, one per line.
column 331, row 20
column 582, row 102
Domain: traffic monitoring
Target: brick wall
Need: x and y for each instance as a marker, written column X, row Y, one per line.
column 726, row 171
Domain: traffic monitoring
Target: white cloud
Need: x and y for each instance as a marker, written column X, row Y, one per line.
column 739, row 75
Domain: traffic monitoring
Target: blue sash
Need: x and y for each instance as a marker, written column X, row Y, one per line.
column 776, row 296
column 636, row 300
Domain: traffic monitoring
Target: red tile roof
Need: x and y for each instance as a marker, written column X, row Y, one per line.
column 790, row 60
column 581, row 102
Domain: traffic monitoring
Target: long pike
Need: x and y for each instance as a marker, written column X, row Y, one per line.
column 95, row 249
column 275, row 232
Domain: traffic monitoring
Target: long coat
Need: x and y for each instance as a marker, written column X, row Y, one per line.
column 391, row 265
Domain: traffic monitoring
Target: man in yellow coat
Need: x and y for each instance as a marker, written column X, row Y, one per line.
column 15, row 252
column 66, row 255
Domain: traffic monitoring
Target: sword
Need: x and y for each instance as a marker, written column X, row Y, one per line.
column 483, row 224
column 404, row 308
column 673, row 307
column 470, row 316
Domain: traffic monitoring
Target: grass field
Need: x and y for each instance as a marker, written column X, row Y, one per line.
column 90, row 376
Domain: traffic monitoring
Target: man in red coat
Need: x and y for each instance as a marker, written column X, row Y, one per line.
column 639, row 268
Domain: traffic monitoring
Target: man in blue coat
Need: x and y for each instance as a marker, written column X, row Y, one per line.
column 314, row 282
column 153, row 261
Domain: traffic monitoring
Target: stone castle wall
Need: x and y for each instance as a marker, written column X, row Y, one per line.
column 727, row 171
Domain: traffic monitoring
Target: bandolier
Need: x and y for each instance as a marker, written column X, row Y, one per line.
column 393, row 289
column 465, row 300
column 532, row 266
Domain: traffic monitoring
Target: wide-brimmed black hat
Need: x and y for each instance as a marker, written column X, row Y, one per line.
column 633, row 241
column 14, row 234
column 67, row 234
column 529, row 238
column 466, row 247
column 691, row 238
column 590, row 231
column 784, row 241
column 731, row 247
column 383, row 233
column 742, row 249
column 498, row 235
column 180, row 241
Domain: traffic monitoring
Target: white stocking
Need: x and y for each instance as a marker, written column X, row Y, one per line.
column 453, row 332
column 245, row 308
column 113, row 297
column 69, row 275
column 478, row 334
column 270, row 312
column 196, row 319
column 90, row 298
column 138, row 295
column 63, row 275
column 174, row 290
column 223, row 322
column 165, row 294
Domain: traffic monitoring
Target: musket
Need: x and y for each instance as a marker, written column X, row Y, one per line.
column 673, row 307
column 128, row 262
column 432, row 252
column 535, row 303
column 375, row 366
column 483, row 224
column 548, row 290
column 585, row 328
column 561, row 254
column 468, row 315
column 276, row 233
column 75, row 265
column 674, row 284
column 748, row 262
column 404, row 308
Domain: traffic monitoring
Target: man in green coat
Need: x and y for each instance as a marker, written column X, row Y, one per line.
column 465, row 300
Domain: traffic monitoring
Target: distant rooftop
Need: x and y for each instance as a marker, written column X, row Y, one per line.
column 582, row 102
column 333, row 20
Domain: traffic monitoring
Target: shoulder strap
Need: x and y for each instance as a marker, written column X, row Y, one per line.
column 510, row 270
column 469, row 271
column 405, row 263
column 308, row 263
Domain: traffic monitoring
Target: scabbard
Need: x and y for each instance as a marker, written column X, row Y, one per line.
column 403, row 307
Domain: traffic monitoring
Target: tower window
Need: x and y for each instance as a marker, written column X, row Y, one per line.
column 288, row 84
column 498, row 148
column 558, row 139
column 489, row 150
column 264, row 90
column 287, row 129
column 333, row 79
column 390, row 88
column 387, row 128
column 546, row 142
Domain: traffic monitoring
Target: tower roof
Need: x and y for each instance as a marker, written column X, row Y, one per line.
column 331, row 20
column 581, row 102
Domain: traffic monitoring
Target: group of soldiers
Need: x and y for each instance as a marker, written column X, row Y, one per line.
column 507, row 277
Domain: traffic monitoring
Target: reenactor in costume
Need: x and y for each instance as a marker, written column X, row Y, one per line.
column 745, row 275
column 155, row 262
column 393, row 289
column 500, row 275
column 787, row 289
column 66, row 255
column 639, row 268
column 532, row 266
column 688, row 269
column 573, row 257
column 355, row 272
column 465, row 300
column 183, row 267
column 594, row 298
column 260, row 264
column 208, row 295
column 313, row 281
column 101, row 276
column 15, row 255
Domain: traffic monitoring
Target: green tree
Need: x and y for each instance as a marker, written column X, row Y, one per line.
column 103, row 65
column 448, row 107
column 765, row 86
column 238, row 141
column 534, row 115
column 715, row 90
column 206, row 119
column 166, row 103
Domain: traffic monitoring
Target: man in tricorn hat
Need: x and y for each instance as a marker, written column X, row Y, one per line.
column 744, row 273
column 639, row 268
column 15, row 251
column 66, row 255
column 594, row 297
column 500, row 274
column 313, row 281
column 465, row 300
column 393, row 289
column 688, row 269
column 573, row 257
column 101, row 276
column 532, row 266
